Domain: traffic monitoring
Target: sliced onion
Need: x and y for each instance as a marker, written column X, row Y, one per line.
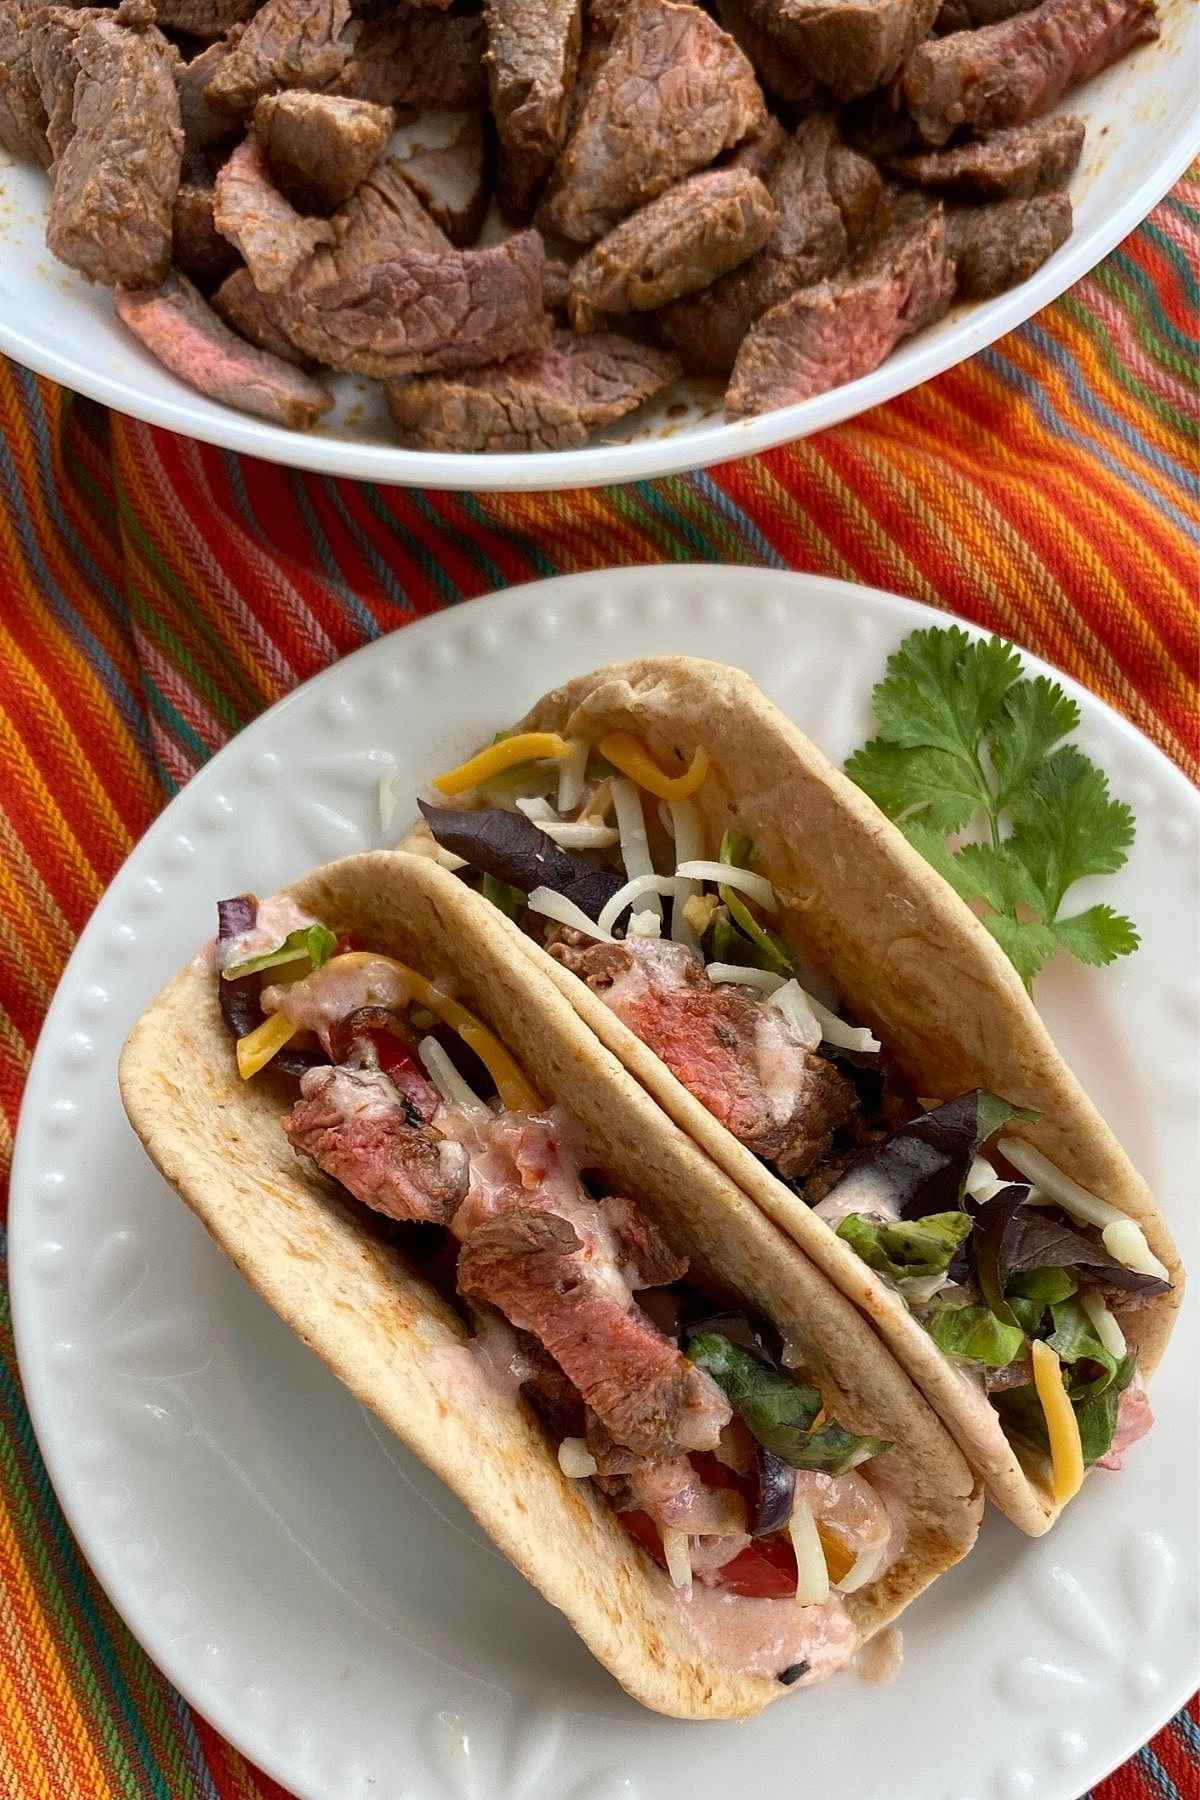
column 796, row 1007
column 556, row 906
column 1126, row 1240
column 679, row 1559
column 864, row 1568
column 635, row 845
column 572, row 771
column 575, row 1459
column 446, row 1078
column 757, row 886
column 1103, row 1323
column 735, row 973
column 812, row 1575
column 612, row 909
column 644, row 924
column 776, row 1492
column 688, row 834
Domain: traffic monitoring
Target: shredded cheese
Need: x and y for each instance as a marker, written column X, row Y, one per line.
column 1126, row 1240
column 553, row 905
column 812, row 1574
column 757, row 886
column 635, row 845
column 612, row 909
column 1062, row 1427
column 572, row 771
column 737, row 974
column 1122, row 1236
column 688, row 834
column 863, row 1568
column 796, row 1007
column 255, row 1050
column 679, row 1559
column 446, row 1078
column 1103, row 1323
column 835, row 1031
column 527, row 746
column 572, row 834
column 633, row 759
column 645, row 924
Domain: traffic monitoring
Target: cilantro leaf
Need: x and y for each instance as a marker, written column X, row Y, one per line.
column 968, row 744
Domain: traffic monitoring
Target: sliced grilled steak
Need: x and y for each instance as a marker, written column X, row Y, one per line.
column 647, row 1260
column 199, row 249
column 245, row 311
column 848, row 46
column 381, row 218
column 742, row 1059
column 648, row 1396
column 252, row 213
column 287, row 44
column 1025, row 159
column 556, row 283
column 357, row 1127
column 177, row 326
column 549, row 400
column 680, row 242
column 417, row 59
column 532, row 56
column 417, row 312
column 319, row 146
column 1007, row 74
column 22, row 114
column 825, row 335
column 672, row 93
column 968, row 15
column 453, row 184
column 779, row 74
column 995, row 247
column 114, row 184
column 555, row 1399
column 53, row 32
column 760, row 154
column 204, row 18
column 203, row 123
column 813, row 238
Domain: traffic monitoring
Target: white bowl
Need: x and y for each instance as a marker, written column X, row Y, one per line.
column 1143, row 130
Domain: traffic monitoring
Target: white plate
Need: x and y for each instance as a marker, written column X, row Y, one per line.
column 310, row 1588
column 1143, row 130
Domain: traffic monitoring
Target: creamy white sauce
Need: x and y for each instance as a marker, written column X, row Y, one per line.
column 863, row 1190
column 276, row 920
column 498, row 1355
column 881, row 1658
column 765, row 1637
column 330, row 993
column 780, row 1058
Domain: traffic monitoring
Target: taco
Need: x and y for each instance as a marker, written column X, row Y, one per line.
column 832, row 1024
column 662, row 1413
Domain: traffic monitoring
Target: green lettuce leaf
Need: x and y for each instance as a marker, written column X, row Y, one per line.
column 510, row 900
column 1074, row 1337
column 315, row 941
column 976, row 1333
column 768, row 949
column 906, row 1247
column 778, row 1411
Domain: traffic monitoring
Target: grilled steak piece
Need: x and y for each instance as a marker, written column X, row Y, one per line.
column 783, row 78
column 177, row 325
column 247, row 312
column 648, row 1396
column 556, row 283
column 114, row 184
column 22, row 114
column 742, row 1059
column 204, row 18
column 357, row 1127
column 453, row 184
column 382, row 217
column 995, row 247
column 252, row 213
column 825, row 335
column 203, row 123
column 53, row 32
column 417, row 59
column 759, row 155
column 287, row 44
column 1025, row 159
column 532, row 55
column 848, row 46
column 416, row 311
column 1007, row 74
column 199, row 248
column 680, row 242
column 825, row 195
column 548, row 400
column 968, row 15
column 647, row 1260
column 673, row 91
column 555, row 1399
column 319, row 146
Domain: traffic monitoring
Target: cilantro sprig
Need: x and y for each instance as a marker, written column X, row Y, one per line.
column 969, row 744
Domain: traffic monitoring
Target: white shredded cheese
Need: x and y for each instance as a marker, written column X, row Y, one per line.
column 688, row 834
column 575, row 1459
column 556, row 906
column 982, row 1180
column 572, row 770
column 835, row 1031
column 1126, row 1240
column 537, row 808
column 812, row 1574
column 644, row 924
column 635, row 845
column 796, row 1007
column 446, row 1078
column 864, row 1568
column 699, row 910
column 679, row 1559
column 572, row 834
column 757, row 886
column 766, row 979
column 1103, row 1323
column 612, row 909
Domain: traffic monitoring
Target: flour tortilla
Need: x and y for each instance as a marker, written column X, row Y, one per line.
column 398, row 1346
column 907, row 957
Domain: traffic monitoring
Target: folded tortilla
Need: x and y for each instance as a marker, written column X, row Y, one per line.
column 907, row 956
column 398, row 1346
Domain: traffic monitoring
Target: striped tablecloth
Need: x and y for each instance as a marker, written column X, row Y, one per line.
column 155, row 595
